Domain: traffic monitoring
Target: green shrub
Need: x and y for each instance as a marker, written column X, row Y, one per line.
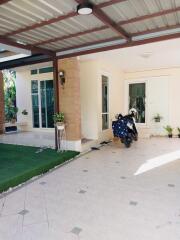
column 169, row 129
column 58, row 117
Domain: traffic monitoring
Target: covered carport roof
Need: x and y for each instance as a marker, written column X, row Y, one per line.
column 53, row 28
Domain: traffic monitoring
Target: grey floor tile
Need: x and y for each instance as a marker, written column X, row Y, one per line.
column 82, row 191
column 122, row 177
column 133, row 203
column 76, row 230
column 23, row 212
column 171, row 185
column 43, row 183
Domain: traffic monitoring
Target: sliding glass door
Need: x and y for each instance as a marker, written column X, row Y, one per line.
column 42, row 103
column 47, row 103
column 35, row 103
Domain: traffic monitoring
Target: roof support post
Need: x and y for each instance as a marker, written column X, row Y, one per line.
column 56, row 94
column 2, row 114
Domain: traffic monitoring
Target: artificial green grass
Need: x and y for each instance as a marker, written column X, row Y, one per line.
column 20, row 163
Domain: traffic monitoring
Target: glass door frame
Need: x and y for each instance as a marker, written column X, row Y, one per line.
column 126, row 100
column 40, row 105
column 39, row 97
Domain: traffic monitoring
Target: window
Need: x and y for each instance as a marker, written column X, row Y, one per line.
column 34, row 71
column 42, row 70
column 137, row 95
column 105, row 103
column 45, row 70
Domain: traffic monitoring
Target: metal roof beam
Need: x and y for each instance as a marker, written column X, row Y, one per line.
column 97, row 12
column 148, row 16
column 121, row 23
column 156, row 30
column 4, row 1
column 90, row 44
column 139, row 34
column 124, row 45
column 41, row 24
column 25, row 61
column 58, row 19
column 110, row 2
column 72, row 35
column 31, row 48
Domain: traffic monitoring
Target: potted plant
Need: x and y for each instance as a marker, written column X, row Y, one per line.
column 169, row 130
column 58, row 119
column 178, row 132
column 157, row 117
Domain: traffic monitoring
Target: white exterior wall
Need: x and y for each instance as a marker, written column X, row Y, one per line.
column 116, row 95
column 91, row 97
column 23, row 95
column 163, row 97
column 23, row 98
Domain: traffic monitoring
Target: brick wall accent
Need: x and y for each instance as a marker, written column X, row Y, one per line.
column 70, row 97
column 1, row 103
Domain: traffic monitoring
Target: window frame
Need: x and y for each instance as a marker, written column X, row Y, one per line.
column 108, row 101
column 39, row 104
column 136, row 81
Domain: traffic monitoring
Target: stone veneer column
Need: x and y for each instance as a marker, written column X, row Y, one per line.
column 1, row 103
column 70, row 97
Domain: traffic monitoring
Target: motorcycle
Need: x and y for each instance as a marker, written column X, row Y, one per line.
column 125, row 128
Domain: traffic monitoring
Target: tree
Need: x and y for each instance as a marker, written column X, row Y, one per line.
column 10, row 95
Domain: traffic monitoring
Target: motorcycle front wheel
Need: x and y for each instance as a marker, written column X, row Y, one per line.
column 127, row 143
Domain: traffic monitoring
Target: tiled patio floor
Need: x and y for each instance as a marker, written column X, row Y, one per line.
column 98, row 197
column 37, row 139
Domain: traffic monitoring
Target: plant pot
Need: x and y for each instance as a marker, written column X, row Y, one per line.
column 157, row 119
column 179, row 135
column 60, row 125
column 170, row 135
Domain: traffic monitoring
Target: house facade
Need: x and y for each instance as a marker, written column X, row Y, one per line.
column 94, row 91
column 35, row 94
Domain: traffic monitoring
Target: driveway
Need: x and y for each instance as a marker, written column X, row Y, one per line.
column 98, row 197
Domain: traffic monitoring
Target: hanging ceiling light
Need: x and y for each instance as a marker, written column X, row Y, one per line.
column 85, row 8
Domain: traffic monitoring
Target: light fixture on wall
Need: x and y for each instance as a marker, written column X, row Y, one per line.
column 85, row 8
column 62, row 77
